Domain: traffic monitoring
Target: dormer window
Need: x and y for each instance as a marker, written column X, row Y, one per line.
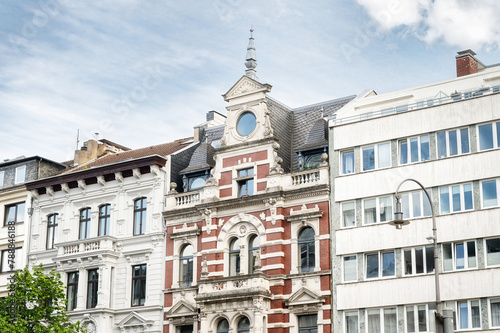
column 194, row 181
column 245, row 182
column 20, row 174
column 310, row 159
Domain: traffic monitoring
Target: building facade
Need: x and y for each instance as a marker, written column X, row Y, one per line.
column 445, row 135
column 16, row 208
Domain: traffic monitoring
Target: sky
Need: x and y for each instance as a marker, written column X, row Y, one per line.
column 146, row 72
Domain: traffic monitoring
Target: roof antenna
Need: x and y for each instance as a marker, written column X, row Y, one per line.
column 251, row 59
column 77, row 138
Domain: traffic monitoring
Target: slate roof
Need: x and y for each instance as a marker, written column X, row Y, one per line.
column 201, row 159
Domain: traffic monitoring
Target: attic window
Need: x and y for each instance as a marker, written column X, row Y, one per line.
column 245, row 182
column 194, row 181
column 310, row 159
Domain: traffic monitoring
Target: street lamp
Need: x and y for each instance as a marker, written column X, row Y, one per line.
column 399, row 222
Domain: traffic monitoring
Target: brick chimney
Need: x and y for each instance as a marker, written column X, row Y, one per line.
column 467, row 63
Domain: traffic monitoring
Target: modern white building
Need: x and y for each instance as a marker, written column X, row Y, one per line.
column 445, row 135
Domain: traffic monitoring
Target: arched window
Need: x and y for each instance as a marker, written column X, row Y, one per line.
column 51, row 231
column 253, row 250
column 244, row 325
column 139, row 216
column 306, row 249
column 186, row 266
column 223, row 326
column 234, row 257
column 84, row 223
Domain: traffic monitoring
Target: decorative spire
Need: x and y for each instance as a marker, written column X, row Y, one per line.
column 251, row 60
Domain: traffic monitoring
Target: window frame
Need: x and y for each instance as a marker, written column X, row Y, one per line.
column 72, row 288
column 310, row 250
column 355, row 265
column 104, row 218
column 378, row 208
column 141, row 278
column 2, row 178
column 253, row 251
column 409, row 150
column 52, row 226
column 243, row 326
column 425, row 262
column 307, row 329
column 343, row 219
column 234, row 254
column 487, row 253
column 497, row 191
column 217, row 328
column 450, row 198
column 376, row 157
column 429, row 317
column 495, row 135
column 381, row 264
column 17, row 263
column 92, row 288
column 18, row 173
column 246, row 182
column 141, row 211
column 469, row 314
column 411, row 206
column 16, row 213
column 466, row 258
column 85, row 221
column 490, row 312
column 343, row 162
column 459, row 147
column 355, row 313
column 381, row 318
column 186, row 276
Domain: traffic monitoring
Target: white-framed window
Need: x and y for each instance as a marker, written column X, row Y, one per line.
column 307, row 323
column 455, row 198
column 245, row 182
column 415, row 204
column 492, row 247
column 350, row 268
column 489, row 135
column 452, row 142
column 412, row 150
column 2, row 176
column 494, row 305
column 20, row 174
column 377, row 210
column 380, row 264
column 381, row 320
column 347, row 159
column 15, row 260
column 468, row 314
column 489, row 193
column 351, row 322
column 348, row 214
column 376, row 156
column 460, row 255
column 418, row 260
column 419, row 318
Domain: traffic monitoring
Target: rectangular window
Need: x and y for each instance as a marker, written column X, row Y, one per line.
column 348, row 214
column 92, row 287
column 376, row 156
column 245, row 182
column 347, row 162
column 455, row 198
column 381, row 320
column 350, row 268
column 307, row 324
column 495, row 312
column 140, row 206
column 377, row 210
column 351, row 322
column 492, row 251
column 2, row 175
column 15, row 213
column 84, row 223
column 104, row 217
column 419, row 260
column 457, row 256
column 72, row 292
column 20, row 174
column 420, row 318
column 413, row 150
column 138, row 285
column 380, row 264
column 489, row 136
column 489, row 193
column 416, row 204
column 52, row 224
column 453, row 142
column 10, row 260
column 468, row 315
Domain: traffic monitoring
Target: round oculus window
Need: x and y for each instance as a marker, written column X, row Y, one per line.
column 246, row 123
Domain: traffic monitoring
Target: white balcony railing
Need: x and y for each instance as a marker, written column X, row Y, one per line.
column 233, row 285
column 87, row 246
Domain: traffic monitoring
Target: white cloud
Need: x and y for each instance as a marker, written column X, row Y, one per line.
column 462, row 23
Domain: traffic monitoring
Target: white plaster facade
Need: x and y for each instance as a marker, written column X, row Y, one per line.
column 364, row 299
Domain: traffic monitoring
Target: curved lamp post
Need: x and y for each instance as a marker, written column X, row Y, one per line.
column 399, row 222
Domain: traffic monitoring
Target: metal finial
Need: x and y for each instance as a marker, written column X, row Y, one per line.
column 251, row 59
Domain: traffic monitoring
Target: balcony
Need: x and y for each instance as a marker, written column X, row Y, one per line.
column 217, row 289
column 86, row 247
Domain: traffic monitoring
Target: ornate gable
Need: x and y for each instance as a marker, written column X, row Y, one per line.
column 135, row 321
column 246, row 86
column 182, row 313
column 305, row 301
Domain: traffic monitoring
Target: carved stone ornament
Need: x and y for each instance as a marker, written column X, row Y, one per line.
column 242, row 230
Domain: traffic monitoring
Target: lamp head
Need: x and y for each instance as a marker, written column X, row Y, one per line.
column 398, row 221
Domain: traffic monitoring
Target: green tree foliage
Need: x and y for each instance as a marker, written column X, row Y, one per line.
column 36, row 304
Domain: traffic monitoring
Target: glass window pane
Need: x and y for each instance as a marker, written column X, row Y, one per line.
column 410, row 319
column 20, row 212
column 495, row 312
column 370, row 212
column 471, row 254
column 348, row 162
column 348, row 214
column 464, row 140
column 441, row 144
column 408, row 262
column 493, row 251
column 444, row 199
column 414, row 149
column 388, row 264
column 405, row 205
column 350, row 268
column 385, row 209
column 427, row 204
column 372, row 266
column 459, row 256
column 447, row 257
column 468, row 203
column 429, row 259
column 416, row 204
column 368, row 158
column 463, row 315
column 485, row 136
column 390, row 322
column 351, row 322
column 419, row 260
column 384, row 155
column 424, row 148
column 422, row 318
column 455, row 195
column 403, row 152
column 475, row 315
column 452, row 135
column 489, row 193
column 498, row 134
column 373, row 321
